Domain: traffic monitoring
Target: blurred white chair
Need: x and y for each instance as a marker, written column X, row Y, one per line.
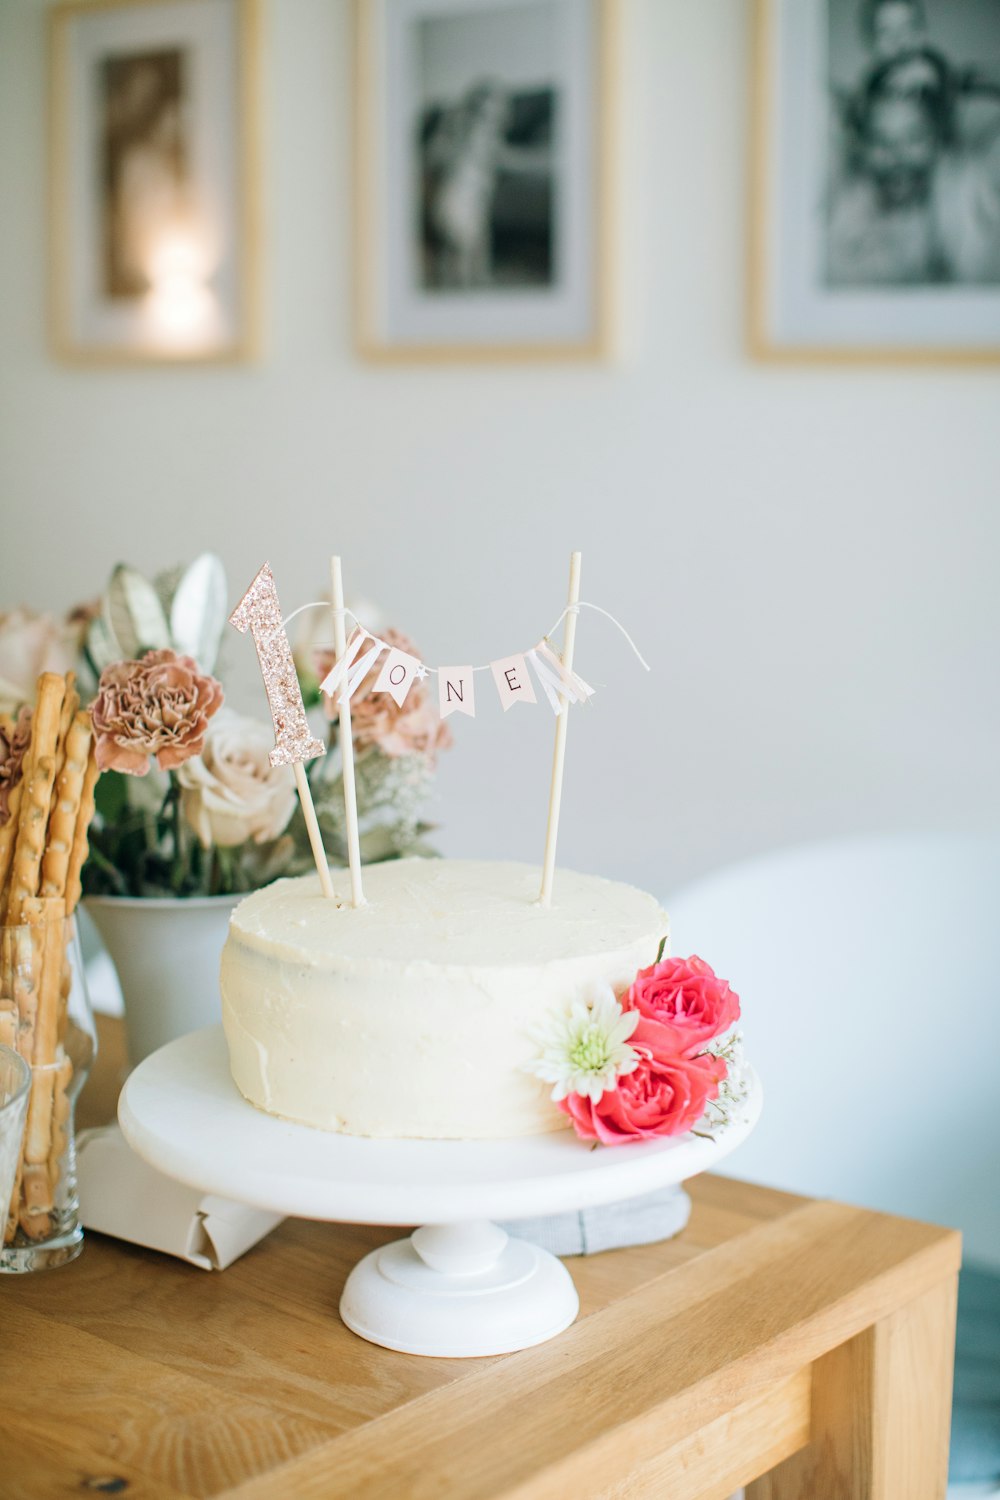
column 869, row 971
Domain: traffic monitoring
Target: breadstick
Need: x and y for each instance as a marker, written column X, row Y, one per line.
column 22, row 961
column 38, row 775
column 8, row 836
column 48, row 914
column 65, row 986
column 60, row 1115
column 37, row 1191
column 9, row 1037
column 31, row 826
column 78, row 854
column 8, row 1024
column 66, row 807
column 70, row 704
column 25, row 943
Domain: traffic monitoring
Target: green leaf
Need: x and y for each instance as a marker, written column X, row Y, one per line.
column 111, row 797
column 134, row 614
column 199, row 610
column 103, row 646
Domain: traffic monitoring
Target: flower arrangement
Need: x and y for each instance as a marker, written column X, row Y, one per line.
column 188, row 802
column 655, row 1061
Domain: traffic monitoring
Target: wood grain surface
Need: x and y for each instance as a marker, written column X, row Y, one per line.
column 806, row 1341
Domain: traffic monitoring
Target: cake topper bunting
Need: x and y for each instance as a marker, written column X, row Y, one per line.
column 358, row 656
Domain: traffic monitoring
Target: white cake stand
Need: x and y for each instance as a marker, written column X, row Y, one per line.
column 457, row 1286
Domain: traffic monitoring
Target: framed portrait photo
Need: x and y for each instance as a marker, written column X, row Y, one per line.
column 153, row 180
column 876, row 181
column 483, row 220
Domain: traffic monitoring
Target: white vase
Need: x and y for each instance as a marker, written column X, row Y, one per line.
column 167, row 953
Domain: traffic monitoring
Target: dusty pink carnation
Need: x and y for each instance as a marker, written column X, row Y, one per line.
column 157, row 706
column 13, row 745
column 685, row 996
column 377, row 719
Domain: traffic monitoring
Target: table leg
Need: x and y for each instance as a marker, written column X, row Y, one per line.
column 881, row 1412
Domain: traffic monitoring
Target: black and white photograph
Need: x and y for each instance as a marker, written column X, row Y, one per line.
column 487, row 131
column 482, row 209
column 153, row 124
column 880, row 146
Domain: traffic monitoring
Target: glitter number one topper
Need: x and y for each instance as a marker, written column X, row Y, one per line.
column 259, row 612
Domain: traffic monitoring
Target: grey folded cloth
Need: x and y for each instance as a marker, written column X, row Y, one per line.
column 613, row 1226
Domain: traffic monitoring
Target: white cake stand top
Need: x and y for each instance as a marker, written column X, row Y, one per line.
column 181, row 1111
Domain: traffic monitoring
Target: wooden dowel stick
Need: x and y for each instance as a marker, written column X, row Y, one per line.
column 346, row 741
column 312, row 828
column 562, row 724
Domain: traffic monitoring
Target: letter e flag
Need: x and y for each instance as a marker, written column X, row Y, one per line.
column 514, row 685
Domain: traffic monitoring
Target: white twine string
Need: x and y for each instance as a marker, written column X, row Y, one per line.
column 570, row 609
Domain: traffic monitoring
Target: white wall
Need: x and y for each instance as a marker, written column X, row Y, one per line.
column 807, row 556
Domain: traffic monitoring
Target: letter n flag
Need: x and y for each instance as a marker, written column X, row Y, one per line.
column 456, row 691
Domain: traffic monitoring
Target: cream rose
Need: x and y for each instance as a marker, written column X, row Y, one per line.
column 29, row 645
column 231, row 792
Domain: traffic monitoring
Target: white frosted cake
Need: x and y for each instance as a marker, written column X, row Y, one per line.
column 417, row 1014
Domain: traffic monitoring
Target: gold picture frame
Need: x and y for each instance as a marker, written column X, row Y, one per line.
column 375, row 338
column 99, row 311
column 866, row 340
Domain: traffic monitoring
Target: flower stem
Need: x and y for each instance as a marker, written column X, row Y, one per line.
column 180, row 860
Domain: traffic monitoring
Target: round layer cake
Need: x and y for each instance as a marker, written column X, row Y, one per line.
column 415, row 1015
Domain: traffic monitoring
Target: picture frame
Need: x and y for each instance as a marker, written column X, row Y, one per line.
column 483, row 179
column 154, row 181
column 872, row 123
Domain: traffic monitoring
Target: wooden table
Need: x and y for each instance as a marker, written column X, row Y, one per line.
column 776, row 1334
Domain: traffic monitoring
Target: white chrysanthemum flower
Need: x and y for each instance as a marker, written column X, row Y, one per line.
column 587, row 1051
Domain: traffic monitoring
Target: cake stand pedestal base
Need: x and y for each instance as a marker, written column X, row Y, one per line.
column 459, row 1290
column 459, row 1286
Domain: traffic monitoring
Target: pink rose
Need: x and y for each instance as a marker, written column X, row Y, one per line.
column 684, row 995
column 159, row 705
column 665, row 1095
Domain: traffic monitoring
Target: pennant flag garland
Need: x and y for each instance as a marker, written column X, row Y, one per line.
column 456, row 685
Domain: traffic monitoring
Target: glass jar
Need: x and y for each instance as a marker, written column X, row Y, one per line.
column 45, row 1016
